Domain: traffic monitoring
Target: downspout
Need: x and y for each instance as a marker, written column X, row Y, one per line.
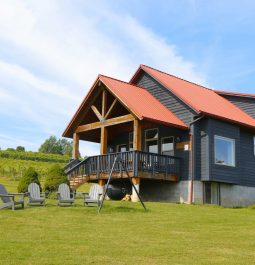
column 192, row 159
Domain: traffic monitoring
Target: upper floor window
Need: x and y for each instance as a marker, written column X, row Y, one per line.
column 167, row 145
column 224, row 151
column 151, row 140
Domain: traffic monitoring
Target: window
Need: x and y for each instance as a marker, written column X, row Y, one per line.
column 131, row 139
column 167, row 145
column 211, row 193
column 151, row 140
column 110, row 149
column 224, row 151
column 122, row 148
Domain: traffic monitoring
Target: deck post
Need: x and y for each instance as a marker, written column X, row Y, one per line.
column 137, row 136
column 136, row 182
column 103, row 141
column 103, row 151
column 137, row 145
column 101, row 183
column 76, row 139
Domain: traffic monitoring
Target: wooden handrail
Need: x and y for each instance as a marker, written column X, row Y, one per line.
column 135, row 161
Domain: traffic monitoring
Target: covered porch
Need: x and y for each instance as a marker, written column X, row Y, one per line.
column 117, row 115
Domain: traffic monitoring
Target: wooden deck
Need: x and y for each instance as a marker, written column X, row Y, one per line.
column 137, row 163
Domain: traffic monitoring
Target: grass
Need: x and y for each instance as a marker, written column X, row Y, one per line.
column 125, row 234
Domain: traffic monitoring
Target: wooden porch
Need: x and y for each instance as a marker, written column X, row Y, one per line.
column 108, row 113
column 137, row 163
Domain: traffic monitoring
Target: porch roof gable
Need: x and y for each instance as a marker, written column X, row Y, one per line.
column 136, row 99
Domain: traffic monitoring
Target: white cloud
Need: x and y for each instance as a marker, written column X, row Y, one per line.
column 59, row 48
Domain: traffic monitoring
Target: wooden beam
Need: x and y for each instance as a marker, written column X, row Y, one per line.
column 110, row 122
column 96, row 111
column 136, row 180
column 81, row 114
column 110, row 109
column 103, row 141
column 104, row 103
column 101, row 182
column 76, row 139
column 137, row 142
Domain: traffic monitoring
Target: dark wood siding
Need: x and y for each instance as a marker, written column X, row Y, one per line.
column 204, row 140
column 247, row 165
column 246, row 104
column 168, row 99
column 197, row 151
column 224, row 173
column 209, row 170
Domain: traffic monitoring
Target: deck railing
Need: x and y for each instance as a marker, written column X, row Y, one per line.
column 134, row 162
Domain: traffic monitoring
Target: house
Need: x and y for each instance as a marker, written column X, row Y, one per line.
column 180, row 141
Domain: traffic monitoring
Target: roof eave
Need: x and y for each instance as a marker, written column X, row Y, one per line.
column 183, row 127
column 229, row 120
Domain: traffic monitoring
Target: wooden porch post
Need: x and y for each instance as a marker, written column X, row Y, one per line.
column 76, row 139
column 137, row 145
column 103, row 151
column 103, row 141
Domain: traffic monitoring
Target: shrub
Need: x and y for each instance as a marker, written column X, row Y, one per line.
column 29, row 176
column 55, row 177
column 20, row 148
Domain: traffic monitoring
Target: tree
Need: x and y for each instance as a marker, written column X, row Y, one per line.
column 55, row 177
column 10, row 149
column 20, row 148
column 29, row 176
column 53, row 145
column 66, row 146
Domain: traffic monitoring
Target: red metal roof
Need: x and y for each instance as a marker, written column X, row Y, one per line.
column 141, row 102
column 237, row 94
column 199, row 98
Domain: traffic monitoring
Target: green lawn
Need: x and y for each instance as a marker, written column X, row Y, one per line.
column 125, row 234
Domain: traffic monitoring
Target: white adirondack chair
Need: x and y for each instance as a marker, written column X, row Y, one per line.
column 9, row 198
column 64, row 195
column 35, row 197
column 92, row 198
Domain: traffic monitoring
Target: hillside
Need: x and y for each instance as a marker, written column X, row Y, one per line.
column 14, row 163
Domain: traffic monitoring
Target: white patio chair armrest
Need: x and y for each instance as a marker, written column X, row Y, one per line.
column 85, row 194
column 18, row 194
column 6, row 195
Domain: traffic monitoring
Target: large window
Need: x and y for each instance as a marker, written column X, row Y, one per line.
column 167, row 145
column 224, row 151
column 151, row 140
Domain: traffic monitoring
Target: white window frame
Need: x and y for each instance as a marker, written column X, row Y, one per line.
column 162, row 139
column 131, row 141
column 151, row 139
column 233, row 150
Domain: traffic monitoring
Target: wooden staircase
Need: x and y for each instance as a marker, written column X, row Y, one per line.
column 77, row 181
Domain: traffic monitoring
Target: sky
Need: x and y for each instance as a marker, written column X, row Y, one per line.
column 51, row 51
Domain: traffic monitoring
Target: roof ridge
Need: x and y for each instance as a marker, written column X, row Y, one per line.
column 178, row 77
column 116, row 79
